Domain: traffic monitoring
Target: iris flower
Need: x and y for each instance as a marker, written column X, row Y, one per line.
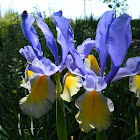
column 72, row 80
column 74, row 62
column 39, row 69
column 113, row 38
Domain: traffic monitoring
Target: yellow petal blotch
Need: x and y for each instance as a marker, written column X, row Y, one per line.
column 71, row 82
column 39, row 90
column 94, row 112
column 137, row 82
column 134, row 84
column 93, row 108
column 71, row 87
column 94, row 65
column 30, row 74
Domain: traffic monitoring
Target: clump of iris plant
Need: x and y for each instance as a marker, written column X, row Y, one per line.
column 42, row 91
column 39, row 69
column 113, row 38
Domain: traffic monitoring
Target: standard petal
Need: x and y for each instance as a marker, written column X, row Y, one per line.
column 64, row 33
column 41, row 98
column 120, row 36
column 64, row 25
column 92, row 64
column 30, row 33
column 72, row 85
column 102, row 38
column 79, row 62
column 49, row 37
column 28, row 53
column 93, row 112
column 61, row 40
column 85, row 48
column 67, row 35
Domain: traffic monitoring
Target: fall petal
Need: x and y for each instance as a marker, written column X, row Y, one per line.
column 134, row 84
column 72, row 85
column 41, row 98
column 94, row 111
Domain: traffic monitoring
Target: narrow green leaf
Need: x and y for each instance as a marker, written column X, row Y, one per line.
column 32, row 127
column 101, row 135
column 19, row 128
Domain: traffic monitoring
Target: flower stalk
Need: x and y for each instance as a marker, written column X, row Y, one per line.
column 101, row 135
column 60, row 111
column 136, row 128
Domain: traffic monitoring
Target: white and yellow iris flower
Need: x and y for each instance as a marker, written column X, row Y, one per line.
column 37, row 75
column 42, row 95
column 94, row 108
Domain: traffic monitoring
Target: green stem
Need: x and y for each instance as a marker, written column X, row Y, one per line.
column 136, row 128
column 60, row 111
column 101, row 135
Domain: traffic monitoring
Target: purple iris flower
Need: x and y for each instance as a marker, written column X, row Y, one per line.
column 113, row 38
column 33, row 54
column 74, row 61
column 39, row 69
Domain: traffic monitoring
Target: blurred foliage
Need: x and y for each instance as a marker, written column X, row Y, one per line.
column 119, row 6
column 84, row 29
column 135, row 25
column 14, row 125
